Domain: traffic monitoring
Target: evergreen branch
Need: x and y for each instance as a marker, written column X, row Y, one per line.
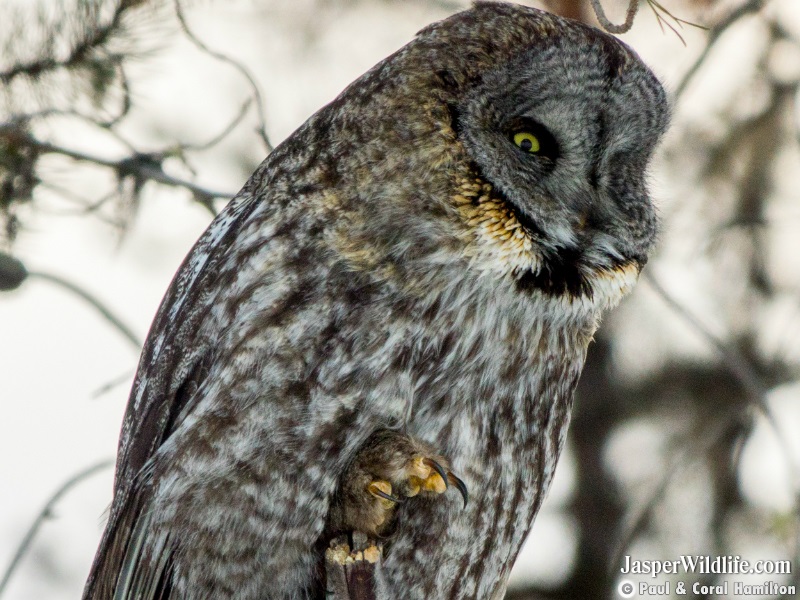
column 93, row 38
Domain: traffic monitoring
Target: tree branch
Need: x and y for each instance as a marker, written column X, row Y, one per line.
column 143, row 166
column 44, row 514
column 714, row 35
column 94, row 37
column 245, row 72
column 353, row 575
column 750, row 381
column 101, row 308
column 738, row 366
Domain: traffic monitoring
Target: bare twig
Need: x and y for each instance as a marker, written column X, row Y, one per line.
column 44, row 514
column 739, row 367
column 226, row 130
column 126, row 332
column 86, row 206
column 736, row 364
column 110, row 385
column 262, row 129
column 633, row 7
column 126, row 99
column 715, row 32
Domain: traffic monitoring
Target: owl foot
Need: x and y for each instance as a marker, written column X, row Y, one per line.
column 389, row 468
column 422, row 474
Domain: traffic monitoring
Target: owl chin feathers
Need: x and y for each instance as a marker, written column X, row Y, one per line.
column 507, row 242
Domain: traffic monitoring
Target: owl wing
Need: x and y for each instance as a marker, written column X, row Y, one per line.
column 174, row 362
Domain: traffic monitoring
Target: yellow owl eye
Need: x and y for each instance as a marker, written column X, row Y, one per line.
column 527, row 141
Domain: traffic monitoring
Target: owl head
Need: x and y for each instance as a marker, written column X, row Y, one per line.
column 508, row 137
column 560, row 120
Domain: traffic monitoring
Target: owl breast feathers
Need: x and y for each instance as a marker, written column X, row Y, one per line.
column 398, row 300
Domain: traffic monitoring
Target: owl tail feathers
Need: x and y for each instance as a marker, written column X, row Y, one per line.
column 133, row 562
column 145, row 572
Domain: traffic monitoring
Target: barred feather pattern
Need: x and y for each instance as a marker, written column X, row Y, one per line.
column 380, row 270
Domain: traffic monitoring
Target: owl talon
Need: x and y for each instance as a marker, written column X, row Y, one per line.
column 436, row 467
column 390, row 467
column 448, row 478
column 460, row 485
column 375, row 488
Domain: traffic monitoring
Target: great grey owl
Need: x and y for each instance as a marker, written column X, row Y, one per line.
column 398, row 301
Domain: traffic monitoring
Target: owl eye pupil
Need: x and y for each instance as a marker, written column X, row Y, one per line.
column 527, row 142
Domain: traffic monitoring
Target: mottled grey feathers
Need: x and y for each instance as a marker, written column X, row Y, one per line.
column 398, row 263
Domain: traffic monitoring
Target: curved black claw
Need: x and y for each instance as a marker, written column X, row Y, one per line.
column 438, row 468
column 462, row 487
column 376, row 491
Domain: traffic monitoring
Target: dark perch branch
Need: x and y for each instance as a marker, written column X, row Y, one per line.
column 353, row 575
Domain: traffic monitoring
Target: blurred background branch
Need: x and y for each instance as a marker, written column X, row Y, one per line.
column 101, row 308
column 47, row 513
